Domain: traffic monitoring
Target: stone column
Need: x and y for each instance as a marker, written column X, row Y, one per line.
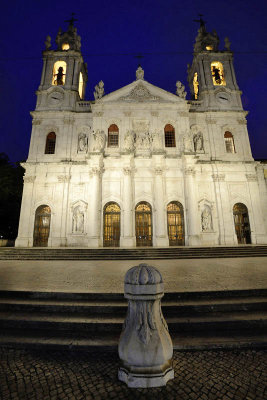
column 95, row 207
column 128, row 238
column 26, row 225
column 258, row 235
column 224, row 210
column 192, row 215
column 161, row 224
column 145, row 346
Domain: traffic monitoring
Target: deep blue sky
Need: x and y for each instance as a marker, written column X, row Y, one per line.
column 112, row 28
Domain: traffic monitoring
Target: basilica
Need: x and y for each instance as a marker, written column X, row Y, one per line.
column 141, row 166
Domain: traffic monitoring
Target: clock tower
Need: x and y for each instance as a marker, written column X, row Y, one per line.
column 211, row 75
column 64, row 74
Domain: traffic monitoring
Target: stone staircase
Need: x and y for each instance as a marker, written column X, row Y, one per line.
column 140, row 253
column 197, row 320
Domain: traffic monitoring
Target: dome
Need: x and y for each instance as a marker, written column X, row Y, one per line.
column 143, row 274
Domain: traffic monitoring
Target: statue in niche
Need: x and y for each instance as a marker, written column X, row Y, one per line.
column 195, row 85
column 129, row 141
column 227, row 44
column 206, row 220
column 99, row 140
column 180, row 90
column 78, row 220
column 187, row 141
column 198, row 142
column 99, row 90
column 146, row 140
column 157, row 141
column 82, row 142
column 216, row 73
column 48, row 42
column 59, row 77
column 139, row 73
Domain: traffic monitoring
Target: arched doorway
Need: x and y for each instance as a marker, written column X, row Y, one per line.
column 175, row 218
column 143, row 224
column 242, row 226
column 41, row 226
column 111, row 231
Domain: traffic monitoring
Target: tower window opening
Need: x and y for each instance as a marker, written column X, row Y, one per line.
column 50, row 143
column 81, row 85
column 229, row 142
column 217, row 73
column 113, row 136
column 195, row 85
column 59, row 73
column 65, row 46
column 169, row 136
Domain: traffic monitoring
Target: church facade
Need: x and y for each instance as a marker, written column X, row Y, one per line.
column 141, row 166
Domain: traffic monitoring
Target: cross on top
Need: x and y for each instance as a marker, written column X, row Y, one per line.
column 200, row 20
column 71, row 21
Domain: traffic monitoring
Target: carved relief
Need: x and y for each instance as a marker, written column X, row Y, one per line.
column 157, row 141
column 129, row 141
column 29, row 179
column 98, row 141
column 198, row 142
column 187, row 142
column 251, row 177
column 63, row 178
column 145, row 323
column 78, row 217
column 139, row 93
column 206, row 219
column 82, row 143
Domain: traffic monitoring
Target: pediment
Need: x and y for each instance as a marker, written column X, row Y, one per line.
column 141, row 91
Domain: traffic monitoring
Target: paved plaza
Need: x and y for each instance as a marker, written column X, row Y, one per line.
column 55, row 375
column 107, row 276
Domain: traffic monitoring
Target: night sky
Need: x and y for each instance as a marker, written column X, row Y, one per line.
column 112, row 33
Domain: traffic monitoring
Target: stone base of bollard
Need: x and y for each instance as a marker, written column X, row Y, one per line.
column 145, row 379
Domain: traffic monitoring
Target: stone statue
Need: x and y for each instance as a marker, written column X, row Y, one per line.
column 195, row 85
column 99, row 90
column 180, row 90
column 227, row 44
column 187, row 141
column 216, row 73
column 78, row 220
column 82, row 142
column 59, row 77
column 48, row 42
column 139, row 73
column 129, row 141
column 99, row 140
column 206, row 220
column 198, row 142
column 157, row 141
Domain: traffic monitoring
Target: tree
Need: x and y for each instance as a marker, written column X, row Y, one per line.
column 11, row 185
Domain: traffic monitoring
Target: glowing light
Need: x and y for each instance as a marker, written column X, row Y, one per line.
column 59, row 73
column 217, row 73
column 65, row 46
column 195, row 85
column 209, row 48
column 81, row 85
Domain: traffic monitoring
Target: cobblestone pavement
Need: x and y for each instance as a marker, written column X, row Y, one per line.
column 55, row 375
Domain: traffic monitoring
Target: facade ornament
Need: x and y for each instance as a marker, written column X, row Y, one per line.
column 129, row 141
column 198, row 142
column 242, row 121
column 210, row 121
column 68, row 121
column 82, row 143
column 99, row 140
column 158, row 171
column 218, row 177
column 63, row 178
column 127, row 170
column 180, row 90
column 139, row 93
column 78, row 217
column 251, row 177
column 154, row 113
column 206, row 220
column 99, row 90
column 97, row 171
column 190, row 171
column 227, row 44
column 145, row 346
column 139, row 73
column 37, row 122
column 48, row 42
column 127, row 113
column 143, row 141
column 29, row 179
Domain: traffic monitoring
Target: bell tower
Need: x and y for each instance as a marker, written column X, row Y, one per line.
column 64, row 74
column 211, row 75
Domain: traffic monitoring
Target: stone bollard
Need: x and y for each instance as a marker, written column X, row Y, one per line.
column 145, row 346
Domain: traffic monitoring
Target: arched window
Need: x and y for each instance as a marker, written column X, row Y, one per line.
column 111, row 220
column 217, row 73
column 59, row 73
column 143, row 224
column 41, row 226
column 175, row 219
column 242, row 226
column 81, row 85
column 229, row 142
column 169, row 136
column 50, row 143
column 113, row 136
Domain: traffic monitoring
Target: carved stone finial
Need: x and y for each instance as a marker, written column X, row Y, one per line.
column 139, row 73
column 48, row 42
column 99, row 90
column 227, row 44
column 180, row 90
column 145, row 346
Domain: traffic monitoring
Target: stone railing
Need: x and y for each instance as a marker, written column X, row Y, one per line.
column 83, row 106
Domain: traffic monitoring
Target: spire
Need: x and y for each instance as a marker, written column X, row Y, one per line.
column 69, row 40
column 205, row 41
